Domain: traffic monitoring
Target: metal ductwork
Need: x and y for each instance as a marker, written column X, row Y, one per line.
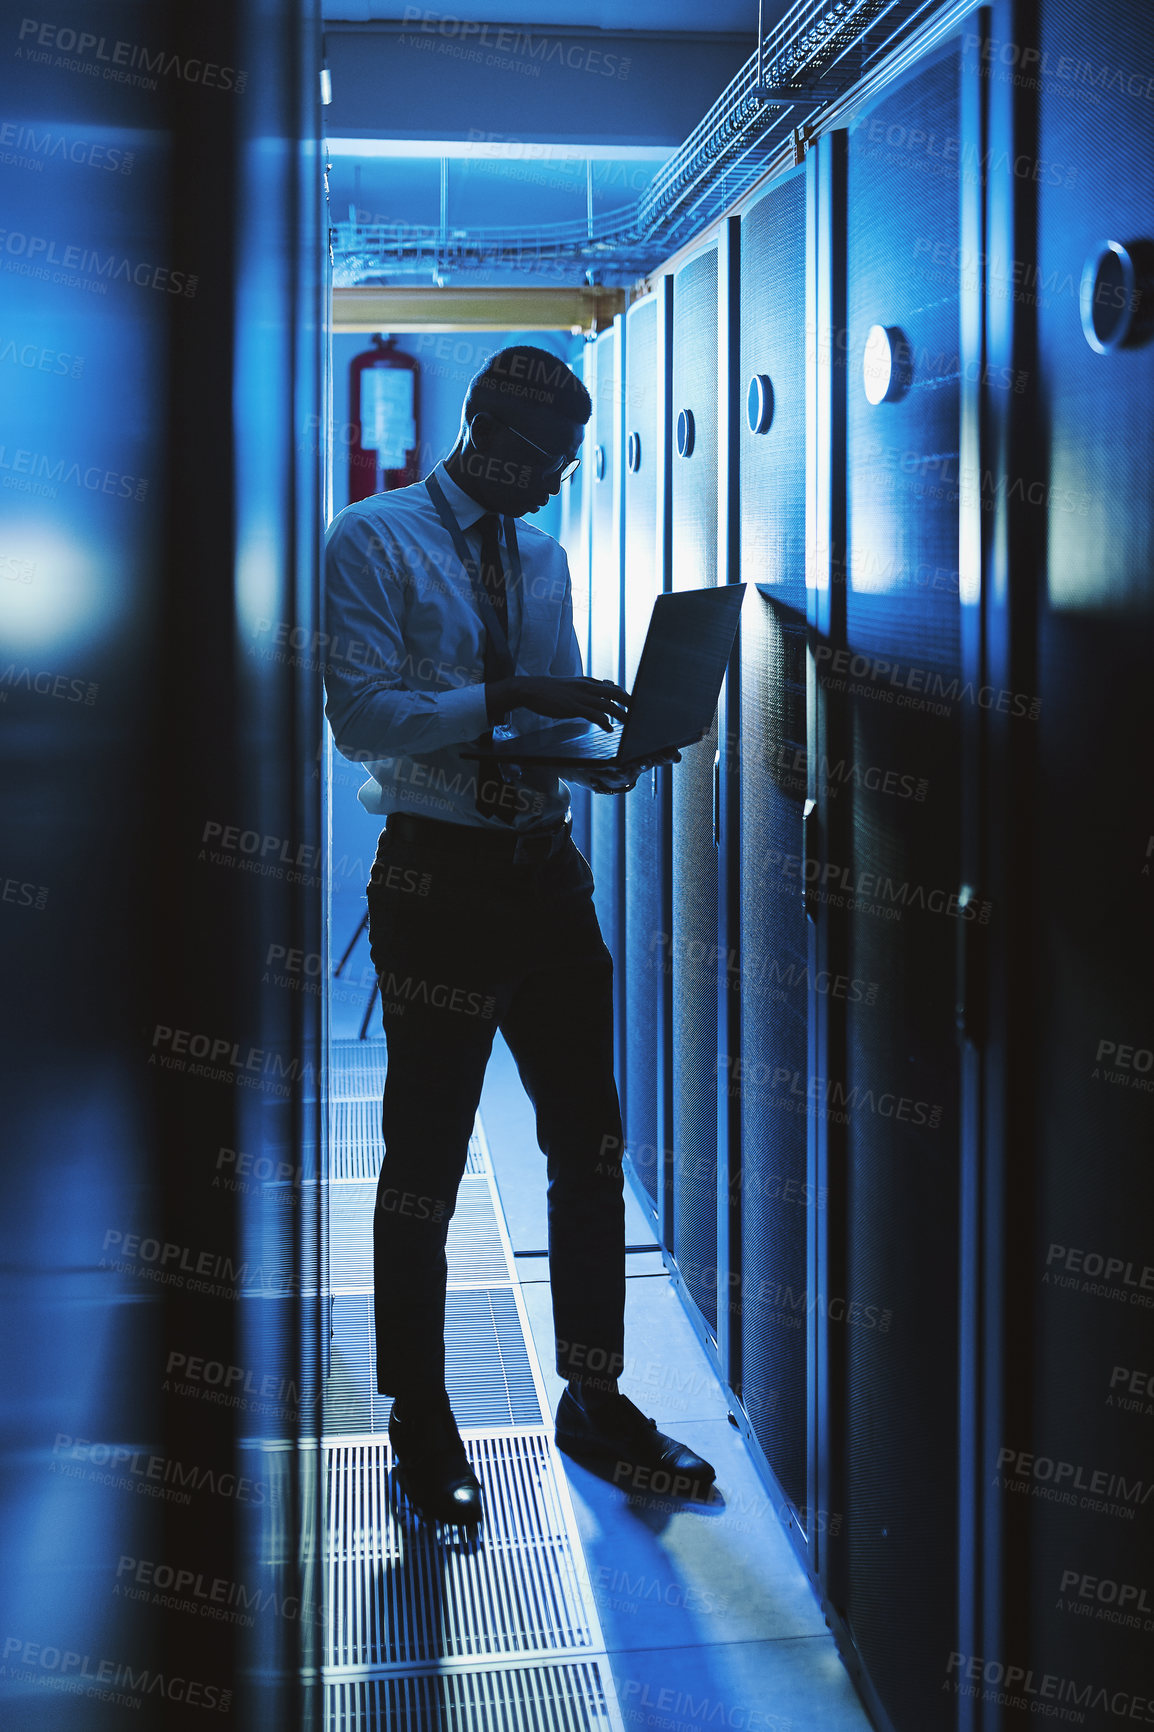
column 808, row 62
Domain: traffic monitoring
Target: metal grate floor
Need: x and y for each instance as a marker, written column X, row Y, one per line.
column 356, row 1081
column 431, row 1629
column 356, row 1069
column 398, row 1596
column 356, row 1146
column 487, row 1369
column 552, row 1698
column 475, row 1252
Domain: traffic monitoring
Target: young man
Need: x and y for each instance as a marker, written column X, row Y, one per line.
column 449, row 615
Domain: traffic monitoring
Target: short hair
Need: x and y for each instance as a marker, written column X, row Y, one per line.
column 526, row 377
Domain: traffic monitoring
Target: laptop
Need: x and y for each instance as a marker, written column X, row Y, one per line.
column 683, row 661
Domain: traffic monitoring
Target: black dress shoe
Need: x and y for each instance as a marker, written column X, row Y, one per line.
column 430, row 1463
column 612, row 1430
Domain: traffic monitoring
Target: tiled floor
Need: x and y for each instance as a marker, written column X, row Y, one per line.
column 792, row 1685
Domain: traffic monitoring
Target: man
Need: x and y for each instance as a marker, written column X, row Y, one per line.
column 449, row 617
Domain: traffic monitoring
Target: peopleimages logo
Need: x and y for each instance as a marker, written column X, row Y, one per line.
column 1031, row 65
column 1120, row 1277
column 233, row 1381
column 650, row 1705
column 1014, row 1686
column 892, row 898
column 172, row 1264
column 153, row 1474
column 1058, row 1482
column 225, row 1060
column 38, row 252
column 629, row 1591
column 38, row 147
column 831, row 660
column 69, row 1670
column 43, row 473
column 215, row 1597
column 494, row 45
column 397, row 993
column 794, row 1089
column 1105, row 1591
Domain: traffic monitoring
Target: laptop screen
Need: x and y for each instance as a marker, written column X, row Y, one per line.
column 682, row 664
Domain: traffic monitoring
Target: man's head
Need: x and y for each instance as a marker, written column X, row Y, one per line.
column 522, row 425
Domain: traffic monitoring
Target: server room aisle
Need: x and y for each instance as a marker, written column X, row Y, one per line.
column 578, row 1606
column 705, row 1612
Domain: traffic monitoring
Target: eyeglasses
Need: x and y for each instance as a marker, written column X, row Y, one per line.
column 566, row 465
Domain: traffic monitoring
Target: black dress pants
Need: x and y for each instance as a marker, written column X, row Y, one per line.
column 464, row 941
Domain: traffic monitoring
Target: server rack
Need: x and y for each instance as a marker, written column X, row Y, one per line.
column 882, row 882
column 769, row 969
column 727, row 824
column 943, row 681
column 1063, row 988
column 646, row 928
column 694, row 863
column 822, row 821
column 191, row 721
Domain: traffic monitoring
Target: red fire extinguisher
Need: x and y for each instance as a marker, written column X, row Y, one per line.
column 384, row 447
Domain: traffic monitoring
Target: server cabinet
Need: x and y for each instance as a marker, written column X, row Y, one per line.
column 1067, row 1477
column 575, row 540
column 606, row 817
column 887, row 787
column 694, row 901
column 122, row 1141
column 770, row 970
column 646, row 808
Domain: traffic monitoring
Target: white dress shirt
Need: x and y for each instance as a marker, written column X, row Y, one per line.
column 404, row 666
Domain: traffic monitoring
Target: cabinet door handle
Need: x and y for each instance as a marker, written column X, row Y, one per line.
column 717, row 798
column 972, row 935
column 808, row 847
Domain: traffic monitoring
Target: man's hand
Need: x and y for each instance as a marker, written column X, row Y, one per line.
column 558, row 696
column 617, row 777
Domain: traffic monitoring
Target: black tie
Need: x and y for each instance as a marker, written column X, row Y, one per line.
column 492, row 571
column 489, row 780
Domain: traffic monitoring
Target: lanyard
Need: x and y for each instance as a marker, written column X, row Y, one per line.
column 484, row 606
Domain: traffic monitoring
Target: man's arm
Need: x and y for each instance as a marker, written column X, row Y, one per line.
column 603, row 778
column 374, row 711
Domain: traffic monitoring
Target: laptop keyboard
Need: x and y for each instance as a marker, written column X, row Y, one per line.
column 601, row 744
